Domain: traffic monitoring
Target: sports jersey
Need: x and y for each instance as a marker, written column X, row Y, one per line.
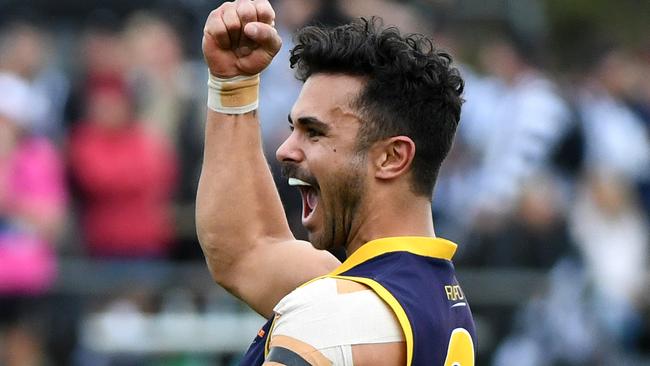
column 416, row 278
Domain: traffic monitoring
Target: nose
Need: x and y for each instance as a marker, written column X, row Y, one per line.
column 290, row 150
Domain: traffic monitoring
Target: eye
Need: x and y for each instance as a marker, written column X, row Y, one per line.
column 312, row 133
column 291, row 128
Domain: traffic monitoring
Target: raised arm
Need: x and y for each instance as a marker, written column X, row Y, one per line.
column 241, row 224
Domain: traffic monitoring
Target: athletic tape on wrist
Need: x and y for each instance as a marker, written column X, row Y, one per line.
column 237, row 95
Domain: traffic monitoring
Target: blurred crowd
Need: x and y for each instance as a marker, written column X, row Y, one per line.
column 101, row 143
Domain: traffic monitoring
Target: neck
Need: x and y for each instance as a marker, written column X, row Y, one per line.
column 17, row 69
column 388, row 216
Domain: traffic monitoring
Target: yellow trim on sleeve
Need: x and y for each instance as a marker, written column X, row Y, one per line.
column 394, row 305
column 422, row 246
column 268, row 337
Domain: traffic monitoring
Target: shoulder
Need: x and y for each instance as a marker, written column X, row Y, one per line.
column 321, row 293
column 309, row 294
column 337, row 319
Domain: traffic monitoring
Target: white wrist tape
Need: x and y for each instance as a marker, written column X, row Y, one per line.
column 237, row 95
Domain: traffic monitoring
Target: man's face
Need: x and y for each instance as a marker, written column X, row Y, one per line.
column 320, row 157
column 109, row 108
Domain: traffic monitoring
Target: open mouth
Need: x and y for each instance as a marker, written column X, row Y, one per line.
column 309, row 197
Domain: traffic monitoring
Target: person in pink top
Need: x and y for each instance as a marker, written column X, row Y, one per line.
column 32, row 196
column 126, row 174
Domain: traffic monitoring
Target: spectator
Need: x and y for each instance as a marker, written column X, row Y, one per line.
column 617, row 160
column 612, row 237
column 126, row 174
column 32, row 209
column 518, row 131
column 23, row 53
column 101, row 59
column 167, row 100
column 617, row 139
column 162, row 78
column 32, row 195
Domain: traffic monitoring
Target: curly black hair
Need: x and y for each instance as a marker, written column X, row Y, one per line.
column 412, row 88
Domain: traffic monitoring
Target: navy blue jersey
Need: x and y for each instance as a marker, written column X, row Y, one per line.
column 415, row 277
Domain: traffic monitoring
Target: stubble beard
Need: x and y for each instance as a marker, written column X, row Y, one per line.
column 340, row 211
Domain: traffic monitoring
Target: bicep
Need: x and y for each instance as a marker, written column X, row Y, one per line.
column 268, row 272
column 382, row 354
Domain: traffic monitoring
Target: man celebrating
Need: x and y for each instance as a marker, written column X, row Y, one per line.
column 374, row 120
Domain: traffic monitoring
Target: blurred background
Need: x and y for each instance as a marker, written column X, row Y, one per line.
column 547, row 189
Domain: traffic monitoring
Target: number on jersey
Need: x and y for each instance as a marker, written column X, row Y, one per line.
column 461, row 349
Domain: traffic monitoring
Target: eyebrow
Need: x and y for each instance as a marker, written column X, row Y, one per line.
column 307, row 122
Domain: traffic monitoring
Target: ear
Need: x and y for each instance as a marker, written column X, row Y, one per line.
column 392, row 157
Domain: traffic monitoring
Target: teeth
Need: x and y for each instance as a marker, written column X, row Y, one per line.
column 298, row 182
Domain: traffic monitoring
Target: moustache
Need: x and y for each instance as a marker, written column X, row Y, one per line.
column 291, row 170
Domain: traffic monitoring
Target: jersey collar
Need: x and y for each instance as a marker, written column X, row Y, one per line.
column 418, row 245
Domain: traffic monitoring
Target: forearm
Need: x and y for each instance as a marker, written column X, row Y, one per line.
column 237, row 205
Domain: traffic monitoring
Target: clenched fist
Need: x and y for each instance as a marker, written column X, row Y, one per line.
column 239, row 38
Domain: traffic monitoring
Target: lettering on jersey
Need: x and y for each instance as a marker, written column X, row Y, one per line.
column 454, row 293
